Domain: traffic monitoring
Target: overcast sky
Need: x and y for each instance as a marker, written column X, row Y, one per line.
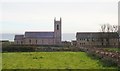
column 18, row 16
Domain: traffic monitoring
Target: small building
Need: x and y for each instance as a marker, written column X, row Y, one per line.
column 41, row 38
column 90, row 39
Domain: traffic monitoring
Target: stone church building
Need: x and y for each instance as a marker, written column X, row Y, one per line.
column 41, row 38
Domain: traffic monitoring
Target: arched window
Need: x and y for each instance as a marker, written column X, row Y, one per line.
column 57, row 27
column 21, row 42
column 36, row 41
column 30, row 41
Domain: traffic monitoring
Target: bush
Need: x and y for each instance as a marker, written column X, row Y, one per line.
column 18, row 48
column 106, row 62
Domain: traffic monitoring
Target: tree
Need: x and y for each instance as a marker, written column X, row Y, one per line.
column 103, row 27
column 106, row 29
column 109, row 28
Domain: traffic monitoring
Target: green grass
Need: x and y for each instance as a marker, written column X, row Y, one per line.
column 0, row 60
column 113, row 49
column 49, row 60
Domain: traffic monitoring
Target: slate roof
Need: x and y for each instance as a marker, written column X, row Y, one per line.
column 39, row 34
column 96, row 35
column 19, row 37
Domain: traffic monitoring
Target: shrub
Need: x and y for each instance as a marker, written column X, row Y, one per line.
column 18, row 48
column 107, row 62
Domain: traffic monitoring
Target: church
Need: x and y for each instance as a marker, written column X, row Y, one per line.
column 41, row 38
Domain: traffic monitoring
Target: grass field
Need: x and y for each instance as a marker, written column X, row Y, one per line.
column 49, row 60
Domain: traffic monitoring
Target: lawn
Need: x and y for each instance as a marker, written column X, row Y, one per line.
column 49, row 60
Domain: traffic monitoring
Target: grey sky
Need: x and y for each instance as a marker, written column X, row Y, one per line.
column 18, row 16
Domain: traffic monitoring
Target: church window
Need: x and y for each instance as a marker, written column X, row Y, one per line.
column 36, row 41
column 57, row 27
column 30, row 41
column 42, row 41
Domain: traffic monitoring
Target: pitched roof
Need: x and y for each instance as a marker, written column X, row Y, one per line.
column 19, row 37
column 39, row 34
column 96, row 35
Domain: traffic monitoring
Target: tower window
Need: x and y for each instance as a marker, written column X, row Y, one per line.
column 57, row 27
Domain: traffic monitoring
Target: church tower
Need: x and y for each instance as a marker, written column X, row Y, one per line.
column 57, row 31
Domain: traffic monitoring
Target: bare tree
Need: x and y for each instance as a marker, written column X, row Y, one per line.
column 115, row 28
column 103, row 27
column 107, row 28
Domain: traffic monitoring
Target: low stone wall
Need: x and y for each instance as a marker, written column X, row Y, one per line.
column 103, row 54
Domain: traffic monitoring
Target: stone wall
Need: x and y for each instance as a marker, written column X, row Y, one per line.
column 103, row 54
column 95, row 43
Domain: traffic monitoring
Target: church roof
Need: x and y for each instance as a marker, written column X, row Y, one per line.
column 19, row 37
column 39, row 34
